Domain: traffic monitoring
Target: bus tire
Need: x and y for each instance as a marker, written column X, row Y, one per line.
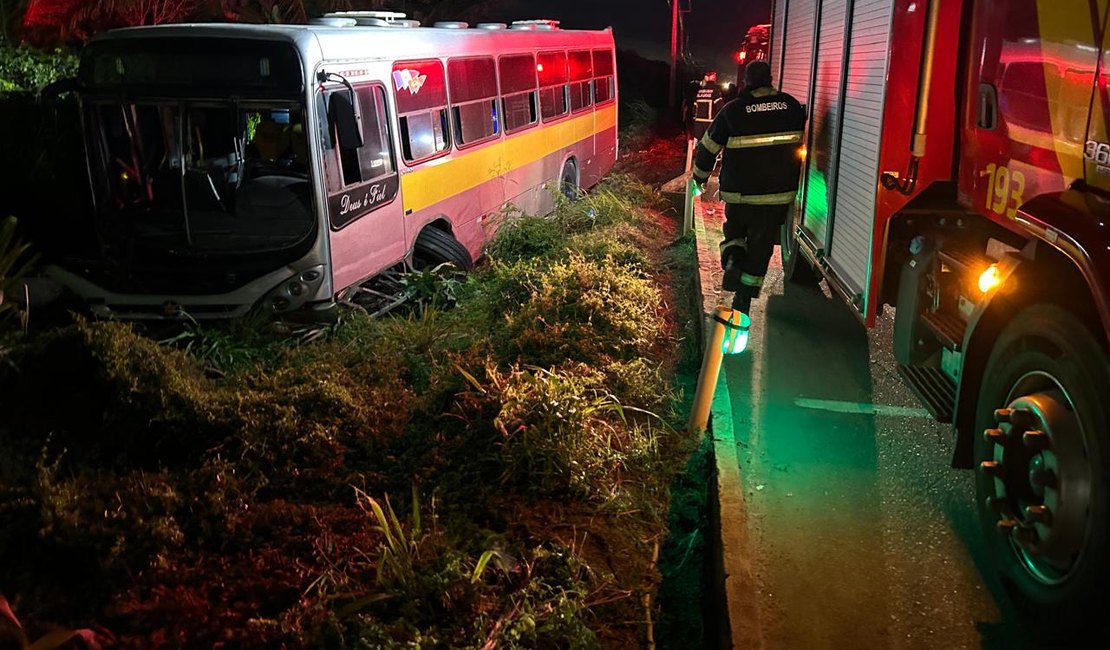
column 795, row 267
column 569, row 181
column 434, row 247
column 1048, row 368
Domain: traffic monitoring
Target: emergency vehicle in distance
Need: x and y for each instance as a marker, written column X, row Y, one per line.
column 960, row 173
column 753, row 48
column 281, row 166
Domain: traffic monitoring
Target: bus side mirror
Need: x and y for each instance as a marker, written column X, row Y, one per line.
column 343, row 121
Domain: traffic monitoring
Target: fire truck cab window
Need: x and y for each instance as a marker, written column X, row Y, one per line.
column 581, row 76
column 1021, row 96
column 473, row 84
column 603, row 76
column 421, row 92
column 554, row 100
column 518, row 91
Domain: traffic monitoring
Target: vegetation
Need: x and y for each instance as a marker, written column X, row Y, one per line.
column 491, row 474
column 25, row 69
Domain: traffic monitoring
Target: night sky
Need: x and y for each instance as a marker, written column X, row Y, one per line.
column 715, row 27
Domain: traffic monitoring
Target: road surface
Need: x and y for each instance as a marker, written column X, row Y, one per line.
column 861, row 534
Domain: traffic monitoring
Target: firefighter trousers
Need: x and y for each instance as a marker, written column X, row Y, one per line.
column 751, row 232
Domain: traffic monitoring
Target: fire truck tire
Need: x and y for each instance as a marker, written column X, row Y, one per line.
column 795, row 267
column 434, row 246
column 568, row 180
column 1043, row 465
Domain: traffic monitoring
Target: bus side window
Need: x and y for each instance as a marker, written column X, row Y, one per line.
column 581, row 76
column 367, row 156
column 554, row 99
column 473, row 86
column 420, row 89
column 518, row 91
column 376, row 154
column 603, row 76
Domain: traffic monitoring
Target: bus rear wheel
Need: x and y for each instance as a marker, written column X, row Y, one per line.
column 434, row 247
column 795, row 267
column 568, row 181
column 1042, row 464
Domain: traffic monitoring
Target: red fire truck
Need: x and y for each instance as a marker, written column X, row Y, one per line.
column 958, row 170
column 753, row 48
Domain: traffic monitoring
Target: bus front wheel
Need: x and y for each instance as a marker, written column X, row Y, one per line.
column 1042, row 463
column 434, row 247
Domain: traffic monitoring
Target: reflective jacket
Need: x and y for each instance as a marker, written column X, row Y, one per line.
column 707, row 105
column 760, row 133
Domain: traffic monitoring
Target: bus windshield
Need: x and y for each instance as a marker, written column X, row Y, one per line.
column 201, row 177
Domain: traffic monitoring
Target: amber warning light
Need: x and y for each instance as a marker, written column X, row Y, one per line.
column 990, row 279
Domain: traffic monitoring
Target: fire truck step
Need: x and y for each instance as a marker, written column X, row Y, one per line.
column 935, row 390
column 949, row 328
column 962, row 261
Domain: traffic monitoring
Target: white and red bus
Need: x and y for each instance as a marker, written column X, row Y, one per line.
column 279, row 167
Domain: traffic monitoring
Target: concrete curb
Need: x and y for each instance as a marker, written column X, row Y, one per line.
column 737, row 605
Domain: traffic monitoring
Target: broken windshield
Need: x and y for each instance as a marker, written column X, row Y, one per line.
column 202, row 177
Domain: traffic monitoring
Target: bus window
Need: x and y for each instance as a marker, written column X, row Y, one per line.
column 372, row 162
column 552, row 67
column 421, row 92
column 581, row 74
column 518, row 92
column 603, row 76
column 374, row 158
column 473, row 84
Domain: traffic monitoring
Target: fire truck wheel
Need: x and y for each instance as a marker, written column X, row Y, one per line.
column 1043, row 458
column 434, row 246
column 795, row 267
column 568, row 181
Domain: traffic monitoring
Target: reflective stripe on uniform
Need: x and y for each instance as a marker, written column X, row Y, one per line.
column 782, row 198
column 738, row 242
column 700, row 173
column 751, row 280
column 764, row 140
column 710, row 145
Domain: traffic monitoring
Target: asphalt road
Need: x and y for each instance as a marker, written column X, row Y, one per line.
column 861, row 534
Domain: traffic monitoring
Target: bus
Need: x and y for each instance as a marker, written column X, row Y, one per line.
column 277, row 168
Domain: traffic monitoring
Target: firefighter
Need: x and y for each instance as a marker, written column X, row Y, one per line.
column 707, row 104
column 760, row 136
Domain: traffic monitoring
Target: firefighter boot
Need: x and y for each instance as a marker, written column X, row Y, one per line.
column 742, row 302
column 733, row 253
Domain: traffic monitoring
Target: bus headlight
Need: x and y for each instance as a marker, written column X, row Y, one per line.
column 292, row 294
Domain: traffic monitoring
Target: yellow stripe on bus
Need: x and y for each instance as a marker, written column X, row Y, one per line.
column 441, row 179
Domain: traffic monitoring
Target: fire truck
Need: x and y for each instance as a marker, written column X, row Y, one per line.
column 753, row 48
column 957, row 169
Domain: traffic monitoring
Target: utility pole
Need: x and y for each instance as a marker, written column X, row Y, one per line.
column 674, row 53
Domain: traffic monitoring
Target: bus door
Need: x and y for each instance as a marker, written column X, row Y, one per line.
column 581, row 108
column 520, row 112
column 366, row 221
column 605, row 109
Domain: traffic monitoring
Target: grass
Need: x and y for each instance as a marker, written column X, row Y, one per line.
column 491, row 468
